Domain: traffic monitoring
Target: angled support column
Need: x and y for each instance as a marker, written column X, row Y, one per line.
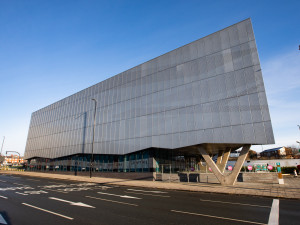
column 224, row 160
column 220, row 156
column 220, row 159
column 231, row 178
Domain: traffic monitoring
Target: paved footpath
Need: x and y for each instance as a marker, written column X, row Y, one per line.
column 289, row 190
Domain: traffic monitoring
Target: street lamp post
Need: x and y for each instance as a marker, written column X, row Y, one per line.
column 92, row 159
column 2, row 144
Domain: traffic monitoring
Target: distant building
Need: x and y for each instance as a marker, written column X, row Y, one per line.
column 13, row 160
column 277, row 152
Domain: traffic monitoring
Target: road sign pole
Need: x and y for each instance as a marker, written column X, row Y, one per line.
column 280, row 178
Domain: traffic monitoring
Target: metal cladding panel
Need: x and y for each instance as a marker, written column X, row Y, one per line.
column 208, row 91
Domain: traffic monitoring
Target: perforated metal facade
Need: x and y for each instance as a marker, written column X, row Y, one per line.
column 208, row 91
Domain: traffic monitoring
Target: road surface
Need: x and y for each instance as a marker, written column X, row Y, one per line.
column 25, row 200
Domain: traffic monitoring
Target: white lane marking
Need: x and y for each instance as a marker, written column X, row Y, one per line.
column 18, row 184
column 21, row 193
column 121, row 196
column 15, row 188
column 234, row 203
column 3, row 181
column 54, row 186
column 57, row 191
column 32, row 179
column 103, row 187
column 163, row 196
column 3, row 197
column 2, row 220
column 54, row 213
column 35, row 192
column 75, row 189
column 217, row 217
column 274, row 214
column 161, row 192
column 107, row 200
column 72, row 203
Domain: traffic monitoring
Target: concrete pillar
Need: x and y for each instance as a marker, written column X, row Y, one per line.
column 231, row 178
column 220, row 156
column 224, row 160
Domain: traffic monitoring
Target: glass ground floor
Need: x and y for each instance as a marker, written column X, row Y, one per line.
column 148, row 160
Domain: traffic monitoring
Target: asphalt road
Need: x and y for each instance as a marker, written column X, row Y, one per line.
column 25, row 200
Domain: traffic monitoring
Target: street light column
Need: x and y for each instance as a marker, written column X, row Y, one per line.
column 92, row 159
column 2, row 144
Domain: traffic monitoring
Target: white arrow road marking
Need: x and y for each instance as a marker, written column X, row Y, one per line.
column 274, row 214
column 2, row 220
column 72, row 203
column 121, row 196
column 54, row 213
column 161, row 192
column 3, row 197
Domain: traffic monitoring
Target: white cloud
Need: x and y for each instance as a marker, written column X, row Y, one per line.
column 281, row 77
column 281, row 73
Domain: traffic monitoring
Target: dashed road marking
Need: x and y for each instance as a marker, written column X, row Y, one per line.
column 54, row 213
column 217, row 217
column 35, row 192
column 3, row 181
column 161, row 192
column 32, row 179
column 234, row 203
column 15, row 188
column 3, row 197
column 102, row 187
column 163, row 196
column 19, row 193
column 107, row 200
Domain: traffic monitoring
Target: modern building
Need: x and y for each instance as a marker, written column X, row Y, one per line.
column 171, row 113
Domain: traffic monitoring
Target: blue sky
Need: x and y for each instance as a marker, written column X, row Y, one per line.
column 52, row 49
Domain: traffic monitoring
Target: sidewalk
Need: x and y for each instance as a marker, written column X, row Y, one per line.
column 290, row 190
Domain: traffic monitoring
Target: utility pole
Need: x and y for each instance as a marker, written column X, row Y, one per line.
column 2, row 145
